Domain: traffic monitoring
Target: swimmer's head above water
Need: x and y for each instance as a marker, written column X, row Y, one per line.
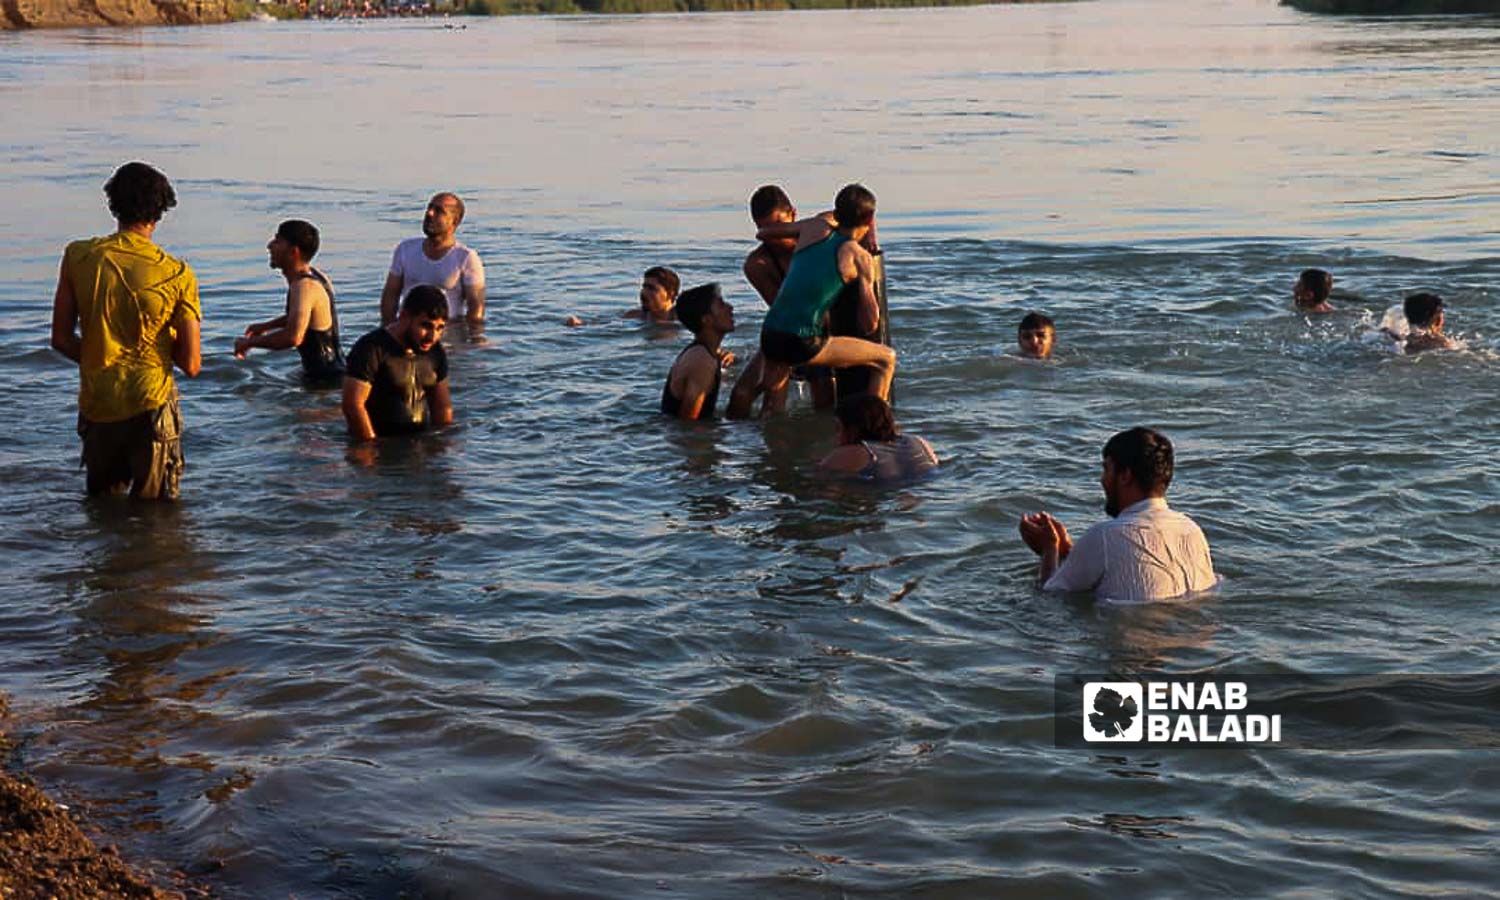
column 295, row 242
column 659, row 287
column 865, row 417
column 1036, row 334
column 855, row 207
column 704, row 307
column 1310, row 293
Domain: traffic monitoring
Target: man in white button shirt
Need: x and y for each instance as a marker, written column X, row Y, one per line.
column 1145, row 551
column 440, row 260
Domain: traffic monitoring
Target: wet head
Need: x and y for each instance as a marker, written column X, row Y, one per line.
column 1036, row 335
column 659, row 287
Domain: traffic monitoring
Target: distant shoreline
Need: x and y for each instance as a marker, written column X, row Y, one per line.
column 1394, row 7
column 24, row 15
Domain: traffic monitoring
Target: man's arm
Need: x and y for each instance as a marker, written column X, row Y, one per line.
column 65, row 338
column 863, row 265
column 390, row 296
column 440, row 404
column 356, row 392
column 268, row 325
column 471, row 282
column 806, row 231
column 290, row 329
column 474, row 305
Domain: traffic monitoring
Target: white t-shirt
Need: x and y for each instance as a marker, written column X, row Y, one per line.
column 1147, row 552
column 457, row 269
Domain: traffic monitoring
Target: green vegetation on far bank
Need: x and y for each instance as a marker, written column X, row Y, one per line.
column 568, row 7
column 1395, row 7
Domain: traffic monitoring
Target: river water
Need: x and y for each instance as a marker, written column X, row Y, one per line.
column 566, row 648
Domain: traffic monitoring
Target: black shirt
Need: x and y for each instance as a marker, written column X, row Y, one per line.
column 399, row 379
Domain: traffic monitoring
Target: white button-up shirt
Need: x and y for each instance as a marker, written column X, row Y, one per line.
column 1147, row 552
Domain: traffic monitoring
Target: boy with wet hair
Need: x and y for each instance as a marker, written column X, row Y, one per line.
column 1424, row 313
column 1310, row 293
column 659, row 287
column 692, row 387
column 1036, row 334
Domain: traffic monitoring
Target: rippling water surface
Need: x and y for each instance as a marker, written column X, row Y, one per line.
column 566, row 648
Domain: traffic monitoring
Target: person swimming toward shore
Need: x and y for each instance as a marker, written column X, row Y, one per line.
column 872, row 448
column 795, row 330
column 1310, row 291
column 1036, row 335
column 692, row 386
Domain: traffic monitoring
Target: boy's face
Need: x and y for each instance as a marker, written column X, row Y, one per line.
column 1036, row 342
column 655, row 297
column 722, row 315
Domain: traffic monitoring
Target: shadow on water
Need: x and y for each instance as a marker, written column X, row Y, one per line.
column 140, row 624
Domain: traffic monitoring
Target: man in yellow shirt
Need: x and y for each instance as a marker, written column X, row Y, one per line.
column 125, row 311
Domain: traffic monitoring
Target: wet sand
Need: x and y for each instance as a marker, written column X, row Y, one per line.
column 45, row 854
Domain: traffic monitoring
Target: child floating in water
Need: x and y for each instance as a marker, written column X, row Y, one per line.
column 1424, row 313
column 1311, row 291
column 871, row 448
column 1036, row 335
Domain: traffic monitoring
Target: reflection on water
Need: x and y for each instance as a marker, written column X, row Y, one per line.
column 567, row 648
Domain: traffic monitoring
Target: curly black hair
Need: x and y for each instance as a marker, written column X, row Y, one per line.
column 138, row 194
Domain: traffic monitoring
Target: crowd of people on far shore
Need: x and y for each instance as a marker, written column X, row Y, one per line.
column 126, row 312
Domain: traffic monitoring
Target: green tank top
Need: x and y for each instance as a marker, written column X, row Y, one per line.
column 811, row 286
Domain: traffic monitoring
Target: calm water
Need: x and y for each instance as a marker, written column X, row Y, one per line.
column 568, row 649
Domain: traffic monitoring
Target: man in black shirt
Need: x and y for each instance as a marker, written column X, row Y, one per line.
column 396, row 381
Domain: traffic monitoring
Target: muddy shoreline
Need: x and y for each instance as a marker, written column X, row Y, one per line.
column 44, row 852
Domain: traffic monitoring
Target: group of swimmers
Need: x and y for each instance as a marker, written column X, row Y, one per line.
column 127, row 312
column 1421, row 326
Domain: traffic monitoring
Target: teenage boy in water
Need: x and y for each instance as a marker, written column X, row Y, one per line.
column 1036, row 334
column 765, row 268
column 396, row 381
column 1311, row 291
column 828, row 259
column 1424, row 312
column 659, row 287
column 692, row 386
column 310, row 323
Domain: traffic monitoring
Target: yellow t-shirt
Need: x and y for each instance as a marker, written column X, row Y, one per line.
column 131, row 296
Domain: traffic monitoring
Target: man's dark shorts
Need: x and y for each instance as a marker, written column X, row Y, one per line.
column 143, row 452
column 790, row 349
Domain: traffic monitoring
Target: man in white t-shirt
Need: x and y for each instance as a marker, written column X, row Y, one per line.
column 1145, row 551
column 439, row 260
